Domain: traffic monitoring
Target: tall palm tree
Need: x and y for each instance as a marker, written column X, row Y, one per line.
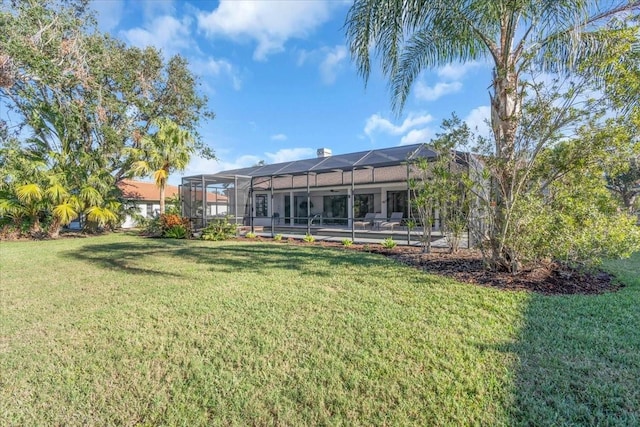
column 515, row 36
column 166, row 151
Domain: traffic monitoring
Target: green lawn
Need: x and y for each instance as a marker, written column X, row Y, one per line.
column 120, row 330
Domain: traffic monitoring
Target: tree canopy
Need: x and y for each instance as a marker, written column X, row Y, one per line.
column 80, row 103
column 581, row 38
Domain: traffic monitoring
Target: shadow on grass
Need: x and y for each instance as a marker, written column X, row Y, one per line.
column 579, row 360
column 123, row 256
column 222, row 257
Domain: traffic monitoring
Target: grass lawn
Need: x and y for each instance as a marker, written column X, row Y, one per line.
column 120, row 330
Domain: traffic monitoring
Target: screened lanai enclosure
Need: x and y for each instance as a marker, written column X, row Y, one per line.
column 355, row 195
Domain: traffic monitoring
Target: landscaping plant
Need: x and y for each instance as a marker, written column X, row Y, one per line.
column 347, row 242
column 580, row 41
column 389, row 243
column 220, row 229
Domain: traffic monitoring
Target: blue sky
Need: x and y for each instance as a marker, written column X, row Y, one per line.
column 280, row 79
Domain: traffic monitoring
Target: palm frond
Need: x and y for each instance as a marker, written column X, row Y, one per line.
column 65, row 212
column 101, row 215
column 90, row 196
column 29, row 193
column 57, row 193
column 9, row 207
column 160, row 177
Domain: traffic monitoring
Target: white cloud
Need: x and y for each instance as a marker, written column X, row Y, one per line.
column 417, row 136
column 279, row 137
column 332, row 63
column 164, row 32
column 304, row 56
column 477, row 120
column 377, row 123
column 289, row 154
column 457, row 71
column 427, row 93
column 153, row 8
column 199, row 166
column 109, row 13
column 222, row 67
column 269, row 23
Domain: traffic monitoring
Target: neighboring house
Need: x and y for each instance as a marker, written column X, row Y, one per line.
column 325, row 191
column 145, row 197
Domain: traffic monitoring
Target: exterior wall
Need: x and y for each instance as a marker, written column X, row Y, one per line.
column 141, row 206
column 217, row 209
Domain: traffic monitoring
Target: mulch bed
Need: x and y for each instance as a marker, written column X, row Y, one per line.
column 467, row 266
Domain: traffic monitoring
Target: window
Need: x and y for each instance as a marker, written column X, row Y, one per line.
column 362, row 205
column 335, row 209
column 397, row 202
column 261, row 205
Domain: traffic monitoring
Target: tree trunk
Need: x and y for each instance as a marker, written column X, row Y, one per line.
column 54, row 228
column 162, row 186
column 506, row 105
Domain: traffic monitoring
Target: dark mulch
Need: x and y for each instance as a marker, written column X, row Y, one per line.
column 467, row 266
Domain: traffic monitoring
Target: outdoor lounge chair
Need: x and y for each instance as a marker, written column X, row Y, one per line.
column 368, row 220
column 396, row 219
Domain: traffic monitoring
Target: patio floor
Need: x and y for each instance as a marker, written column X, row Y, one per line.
column 337, row 234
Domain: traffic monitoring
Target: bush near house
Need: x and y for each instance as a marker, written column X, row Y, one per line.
column 220, row 229
column 174, row 226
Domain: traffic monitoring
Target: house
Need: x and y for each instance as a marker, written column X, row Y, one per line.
column 145, row 198
column 335, row 191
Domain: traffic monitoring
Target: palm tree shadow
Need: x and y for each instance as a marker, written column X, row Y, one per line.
column 316, row 261
column 224, row 258
column 126, row 257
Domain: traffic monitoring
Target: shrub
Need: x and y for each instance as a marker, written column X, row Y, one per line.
column 219, row 229
column 150, row 226
column 167, row 225
column 309, row 238
column 277, row 237
column 176, row 232
column 389, row 243
column 347, row 242
column 251, row 235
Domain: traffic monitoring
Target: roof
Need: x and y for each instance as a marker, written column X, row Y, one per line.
column 148, row 191
column 340, row 162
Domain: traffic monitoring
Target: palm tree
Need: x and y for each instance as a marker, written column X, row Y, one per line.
column 166, row 151
column 516, row 36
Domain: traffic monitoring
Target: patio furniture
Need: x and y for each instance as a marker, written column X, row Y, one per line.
column 368, row 220
column 395, row 219
column 378, row 219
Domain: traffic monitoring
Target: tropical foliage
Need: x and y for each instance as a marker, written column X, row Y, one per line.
column 443, row 186
column 220, row 229
column 169, row 149
column 83, row 105
column 519, row 38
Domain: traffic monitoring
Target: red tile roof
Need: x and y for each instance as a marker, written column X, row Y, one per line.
column 147, row 191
